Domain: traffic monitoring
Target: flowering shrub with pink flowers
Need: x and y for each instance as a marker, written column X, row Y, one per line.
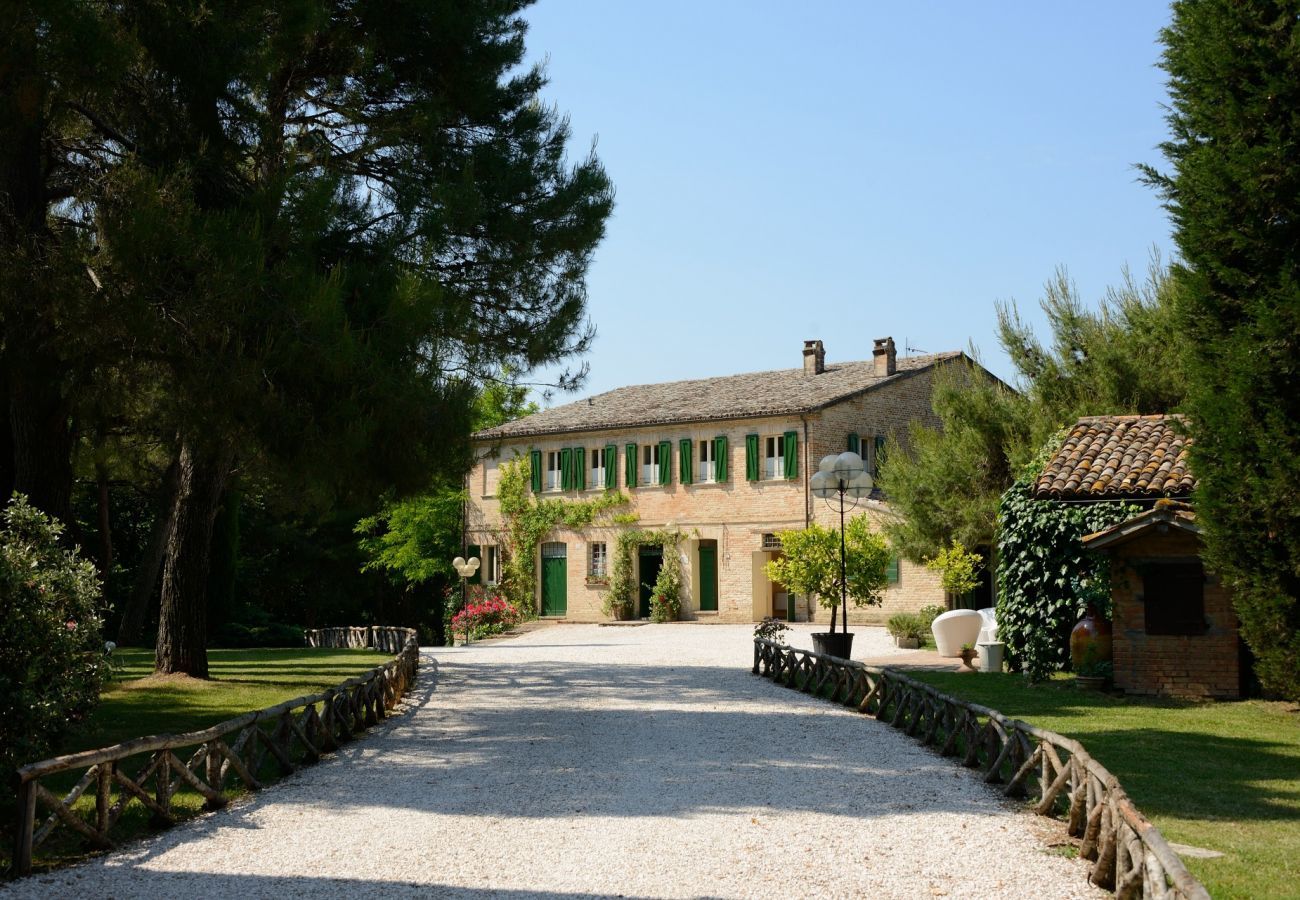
column 489, row 615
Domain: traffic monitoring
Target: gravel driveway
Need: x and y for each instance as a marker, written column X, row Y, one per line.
column 580, row 761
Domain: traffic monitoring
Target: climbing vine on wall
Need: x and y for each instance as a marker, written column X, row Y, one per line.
column 528, row 520
column 1046, row 579
column 623, row 589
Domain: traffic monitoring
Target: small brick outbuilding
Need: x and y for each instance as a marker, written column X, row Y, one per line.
column 1175, row 631
column 1174, row 628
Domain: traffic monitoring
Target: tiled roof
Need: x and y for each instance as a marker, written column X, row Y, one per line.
column 1114, row 457
column 754, row 394
column 1164, row 515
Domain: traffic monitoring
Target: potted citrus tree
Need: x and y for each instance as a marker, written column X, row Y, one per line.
column 812, row 564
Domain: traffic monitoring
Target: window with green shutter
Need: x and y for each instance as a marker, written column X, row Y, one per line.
column 566, row 469
column 665, row 462
column 752, row 471
column 629, row 465
column 855, row 445
column 475, row 550
column 791, row 461
column 893, row 572
column 685, row 472
column 579, row 468
column 611, row 466
column 879, row 455
column 535, row 461
column 720, row 473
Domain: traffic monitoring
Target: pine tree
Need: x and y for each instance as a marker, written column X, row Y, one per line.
column 1233, row 193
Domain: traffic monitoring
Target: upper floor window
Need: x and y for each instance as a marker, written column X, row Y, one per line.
column 554, row 470
column 596, row 474
column 708, row 460
column 650, row 464
column 774, row 457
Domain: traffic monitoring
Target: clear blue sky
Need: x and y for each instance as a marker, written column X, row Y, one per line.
column 846, row 171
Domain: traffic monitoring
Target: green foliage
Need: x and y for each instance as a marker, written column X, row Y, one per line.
column 1046, row 580
column 527, row 521
column 771, row 629
column 1234, row 197
column 1122, row 357
column 929, row 613
column 623, row 588
column 666, row 597
column 414, row 540
column 945, row 483
column 958, row 568
column 810, row 564
column 908, row 625
column 52, row 653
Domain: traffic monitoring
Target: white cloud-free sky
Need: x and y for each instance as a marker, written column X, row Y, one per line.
column 851, row 170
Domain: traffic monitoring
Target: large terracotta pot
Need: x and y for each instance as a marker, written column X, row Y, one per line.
column 1090, row 640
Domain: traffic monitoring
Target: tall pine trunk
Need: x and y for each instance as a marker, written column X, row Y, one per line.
column 136, row 608
column 202, row 474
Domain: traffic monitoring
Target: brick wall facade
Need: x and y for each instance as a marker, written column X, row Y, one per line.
column 736, row 514
column 1205, row 665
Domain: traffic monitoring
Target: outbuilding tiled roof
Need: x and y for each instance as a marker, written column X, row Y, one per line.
column 1116, row 457
column 754, row 394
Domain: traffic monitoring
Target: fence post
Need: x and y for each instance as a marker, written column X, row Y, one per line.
column 26, row 821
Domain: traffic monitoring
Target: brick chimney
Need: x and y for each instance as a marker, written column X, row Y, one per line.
column 814, row 358
column 885, row 357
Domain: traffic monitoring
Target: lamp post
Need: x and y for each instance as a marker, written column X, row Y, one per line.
column 841, row 478
column 465, row 568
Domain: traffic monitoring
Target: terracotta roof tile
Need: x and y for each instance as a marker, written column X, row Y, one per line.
column 753, row 394
column 1119, row 456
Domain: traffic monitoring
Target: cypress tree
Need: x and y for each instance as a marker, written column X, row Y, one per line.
column 1233, row 192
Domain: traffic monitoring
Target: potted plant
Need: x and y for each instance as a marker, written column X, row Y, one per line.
column 907, row 630
column 968, row 655
column 839, row 568
column 1093, row 675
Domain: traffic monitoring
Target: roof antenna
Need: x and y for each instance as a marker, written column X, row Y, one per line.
column 909, row 349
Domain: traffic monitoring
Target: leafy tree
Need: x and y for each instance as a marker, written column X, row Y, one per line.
column 810, row 564
column 945, row 484
column 344, row 239
column 958, row 568
column 1122, row 357
column 52, row 655
column 1234, row 197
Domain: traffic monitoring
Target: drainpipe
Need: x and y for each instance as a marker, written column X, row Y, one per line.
column 807, row 477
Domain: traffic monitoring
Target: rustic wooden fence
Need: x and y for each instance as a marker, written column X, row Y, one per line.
column 235, row 752
column 1129, row 856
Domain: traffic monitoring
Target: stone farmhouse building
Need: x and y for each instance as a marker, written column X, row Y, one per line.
column 725, row 461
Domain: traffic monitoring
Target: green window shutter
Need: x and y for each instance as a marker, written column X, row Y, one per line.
column 880, row 455
column 665, row 462
column 475, row 550
column 685, row 463
column 720, row 458
column 579, row 468
column 790, row 456
column 611, row 466
column 629, row 468
column 535, row 460
column 751, row 457
column 566, row 469
column 854, row 445
column 893, row 571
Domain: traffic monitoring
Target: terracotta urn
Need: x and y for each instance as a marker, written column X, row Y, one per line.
column 1090, row 640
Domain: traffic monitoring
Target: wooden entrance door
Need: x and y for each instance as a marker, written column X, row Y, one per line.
column 555, row 579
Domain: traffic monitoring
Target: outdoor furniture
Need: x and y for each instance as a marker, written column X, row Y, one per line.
column 954, row 628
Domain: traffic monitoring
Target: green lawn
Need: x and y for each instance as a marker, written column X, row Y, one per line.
column 137, row 704
column 1224, row 776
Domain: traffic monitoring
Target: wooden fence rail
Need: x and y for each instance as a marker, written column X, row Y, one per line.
column 1129, row 856
column 233, row 752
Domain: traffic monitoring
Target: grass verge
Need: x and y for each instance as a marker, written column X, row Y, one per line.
column 1222, row 776
column 137, row 703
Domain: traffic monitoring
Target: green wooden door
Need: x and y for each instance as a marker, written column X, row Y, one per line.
column 555, row 580
column 708, row 578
